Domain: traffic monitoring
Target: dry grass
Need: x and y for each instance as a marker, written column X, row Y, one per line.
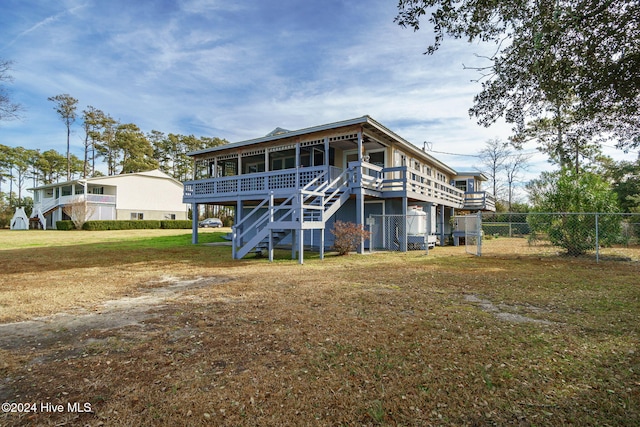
column 382, row 339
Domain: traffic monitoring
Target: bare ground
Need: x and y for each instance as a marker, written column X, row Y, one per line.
column 387, row 339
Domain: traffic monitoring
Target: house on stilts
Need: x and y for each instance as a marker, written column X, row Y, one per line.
column 290, row 187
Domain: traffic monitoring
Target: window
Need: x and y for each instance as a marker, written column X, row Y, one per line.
column 137, row 215
column 170, row 216
column 97, row 190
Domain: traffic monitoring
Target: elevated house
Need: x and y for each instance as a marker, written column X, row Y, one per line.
column 290, row 187
column 141, row 195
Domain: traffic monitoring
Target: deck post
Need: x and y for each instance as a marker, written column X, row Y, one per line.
column 322, row 243
column 360, row 214
column 271, row 203
column 301, row 246
column 441, row 221
column 194, row 223
column 326, row 155
column 239, row 218
column 294, row 241
column 405, row 203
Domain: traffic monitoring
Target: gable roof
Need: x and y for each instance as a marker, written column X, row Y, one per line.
column 156, row 173
column 366, row 121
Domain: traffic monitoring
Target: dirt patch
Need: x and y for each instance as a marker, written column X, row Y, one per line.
column 506, row 312
column 114, row 314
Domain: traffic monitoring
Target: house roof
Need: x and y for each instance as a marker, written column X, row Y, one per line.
column 476, row 174
column 156, row 173
column 366, row 121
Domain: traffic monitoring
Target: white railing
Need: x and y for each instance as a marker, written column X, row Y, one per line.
column 51, row 203
column 480, row 200
column 252, row 183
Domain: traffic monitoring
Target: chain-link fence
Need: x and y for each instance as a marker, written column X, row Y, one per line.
column 400, row 233
column 600, row 235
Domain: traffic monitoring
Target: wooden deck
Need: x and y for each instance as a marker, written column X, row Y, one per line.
column 389, row 182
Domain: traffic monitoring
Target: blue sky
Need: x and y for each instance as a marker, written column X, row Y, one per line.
column 238, row 69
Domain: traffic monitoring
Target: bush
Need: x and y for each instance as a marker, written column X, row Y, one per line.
column 348, row 236
column 120, row 225
column 176, row 223
column 65, row 225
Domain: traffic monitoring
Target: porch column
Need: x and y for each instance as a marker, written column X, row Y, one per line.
column 298, row 167
column 360, row 214
column 294, row 241
column 441, row 221
column 194, row 223
column 239, row 206
column 405, row 203
column 326, row 158
column 322, row 243
column 360, row 146
column 301, row 246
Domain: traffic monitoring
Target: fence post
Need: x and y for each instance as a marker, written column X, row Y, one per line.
column 479, row 230
column 597, row 241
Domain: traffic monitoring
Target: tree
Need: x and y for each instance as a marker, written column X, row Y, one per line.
column 6, row 155
column 493, row 156
column 571, row 199
column 581, row 56
column 105, row 143
column 79, row 211
column 65, row 106
column 51, row 165
column 20, row 159
column 92, row 122
column 625, row 179
column 8, row 109
column 513, row 166
column 136, row 153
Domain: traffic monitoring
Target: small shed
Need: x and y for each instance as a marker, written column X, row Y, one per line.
column 20, row 220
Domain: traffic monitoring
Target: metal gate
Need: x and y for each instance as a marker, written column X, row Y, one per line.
column 473, row 234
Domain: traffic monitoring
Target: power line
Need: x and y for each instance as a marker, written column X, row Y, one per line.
column 479, row 155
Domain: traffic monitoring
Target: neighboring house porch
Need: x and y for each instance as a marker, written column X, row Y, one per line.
column 142, row 195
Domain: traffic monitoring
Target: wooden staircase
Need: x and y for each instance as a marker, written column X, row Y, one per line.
column 308, row 208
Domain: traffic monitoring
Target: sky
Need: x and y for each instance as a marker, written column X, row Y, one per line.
column 238, row 69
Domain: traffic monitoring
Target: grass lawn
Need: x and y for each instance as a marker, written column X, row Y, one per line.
column 151, row 330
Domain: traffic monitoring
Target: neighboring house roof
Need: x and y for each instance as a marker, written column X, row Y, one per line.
column 365, row 121
column 476, row 174
column 156, row 173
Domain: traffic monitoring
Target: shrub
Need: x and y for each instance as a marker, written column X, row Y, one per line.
column 65, row 225
column 79, row 211
column 120, row 225
column 574, row 197
column 348, row 236
column 176, row 223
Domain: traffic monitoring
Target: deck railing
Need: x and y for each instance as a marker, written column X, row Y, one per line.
column 404, row 179
column 368, row 176
column 252, row 183
column 50, row 203
column 479, row 200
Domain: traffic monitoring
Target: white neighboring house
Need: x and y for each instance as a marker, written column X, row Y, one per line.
column 140, row 195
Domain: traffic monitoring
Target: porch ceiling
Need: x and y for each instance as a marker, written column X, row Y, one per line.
column 351, row 144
